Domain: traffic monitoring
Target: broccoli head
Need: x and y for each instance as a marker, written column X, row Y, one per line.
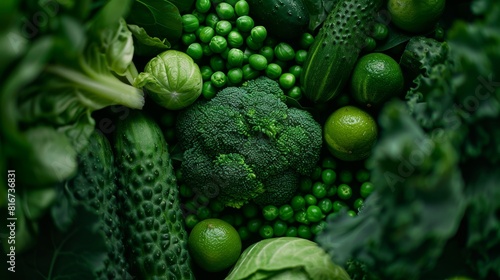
column 246, row 143
column 280, row 188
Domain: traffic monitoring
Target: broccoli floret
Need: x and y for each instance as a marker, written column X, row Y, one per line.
column 265, row 85
column 243, row 139
column 280, row 189
column 265, row 159
column 232, row 170
column 358, row 270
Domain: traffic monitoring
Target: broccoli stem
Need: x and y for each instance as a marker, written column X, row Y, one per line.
column 103, row 86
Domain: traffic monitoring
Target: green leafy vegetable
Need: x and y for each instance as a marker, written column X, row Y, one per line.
column 172, row 79
column 286, row 258
column 160, row 19
column 434, row 213
column 73, row 254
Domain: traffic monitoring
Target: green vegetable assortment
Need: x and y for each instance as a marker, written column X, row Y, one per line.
column 250, row 139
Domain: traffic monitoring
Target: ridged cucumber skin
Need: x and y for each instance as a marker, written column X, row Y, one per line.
column 284, row 19
column 156, row 237
column 336, row 48
column 94, row 186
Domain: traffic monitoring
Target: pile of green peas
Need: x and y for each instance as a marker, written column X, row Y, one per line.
column 329, row 189
column 230, row 48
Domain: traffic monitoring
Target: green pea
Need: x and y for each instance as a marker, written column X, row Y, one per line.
column 287, row 80
column 238, row 220
column 380, row 31
column 338, row 205
column 257, row 62
column 235, row 76
column 234, row 39
column 366, row 189
column 244, row 233
column 188, row 38
column 306, row 40
column 223, row 27
column 351, row 213
column 224, row 11
column 291, row 232
column 285, row 212
column 203, row 213
column 370, row 44
column 270, row 212
column 206, row 72
column 185, row 191
column 345, row 176
column 206, row 34
column 217, row 63
column 362, row 175
column 304, row 232
column 300, row 57
column 301, row 216
column 326, row 205
column 319, row 190
column 298, row 202
column 203, row 6
column 191, row 221
column 314, row 214
column 295, row 70
column 310, row 199
column 195, row 51
column 211, row 20
column 344, row 191
column 331, row 191
column 273, row 71
column 295, row 93
column 267, row 52
column 218, row 44
column 258, row 34
column 270, row 41
column 206, row 50
column 208, row 90
column 284, row 52
column 254, row 225
column 318, row 227
column 328, row 176
column 279, row 228
column 358, row 203
column 190, row 23
column 235, row 57
column 216, row 206
column 249, row 73
column 218, row 79
column 242, row 8
column 266, row 231
column 244, row 23
column 328, row 162
column 200, row 16
column 252, row 44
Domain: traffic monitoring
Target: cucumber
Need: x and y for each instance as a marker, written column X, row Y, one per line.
column 155, row 232
column 283, row 19
column 94, row 187
column 336, row 48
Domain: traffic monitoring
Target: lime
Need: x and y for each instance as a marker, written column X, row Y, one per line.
column 214, row 245
column 415, row 15
column 350, row 133
column 375, row 78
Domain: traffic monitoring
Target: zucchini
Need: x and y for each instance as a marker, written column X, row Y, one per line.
column 283, row 19
column 155, row 233
column 336, row 48
column 94, row 187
